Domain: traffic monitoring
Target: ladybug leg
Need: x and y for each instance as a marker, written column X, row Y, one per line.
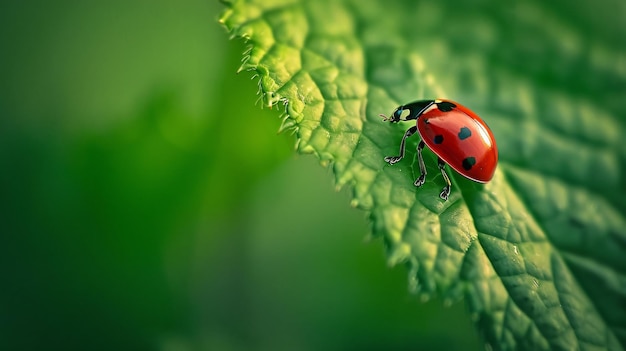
column 422, row 178
column 393, row 159
column 445, row 192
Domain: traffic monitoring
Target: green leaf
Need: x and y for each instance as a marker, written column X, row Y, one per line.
column 540, row 251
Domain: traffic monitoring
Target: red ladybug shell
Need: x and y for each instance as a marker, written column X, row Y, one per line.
column 461, row 139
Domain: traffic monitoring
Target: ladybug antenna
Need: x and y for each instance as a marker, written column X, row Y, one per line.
column 385, row 118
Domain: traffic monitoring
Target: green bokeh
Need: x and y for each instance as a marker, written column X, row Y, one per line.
column 147, row 203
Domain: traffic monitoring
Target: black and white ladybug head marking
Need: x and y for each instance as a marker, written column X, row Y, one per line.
column 395, row 116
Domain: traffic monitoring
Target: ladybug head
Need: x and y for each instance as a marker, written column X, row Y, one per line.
column 395, row 116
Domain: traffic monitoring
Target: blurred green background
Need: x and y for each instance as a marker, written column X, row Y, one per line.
column 148, row 204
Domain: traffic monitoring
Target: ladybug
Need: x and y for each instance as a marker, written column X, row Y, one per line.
column 455, row 134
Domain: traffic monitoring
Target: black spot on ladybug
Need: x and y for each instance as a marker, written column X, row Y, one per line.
column 426, row 121
column 465, row 133
column 438, row 139
column 468, row 163
column 445, row 106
